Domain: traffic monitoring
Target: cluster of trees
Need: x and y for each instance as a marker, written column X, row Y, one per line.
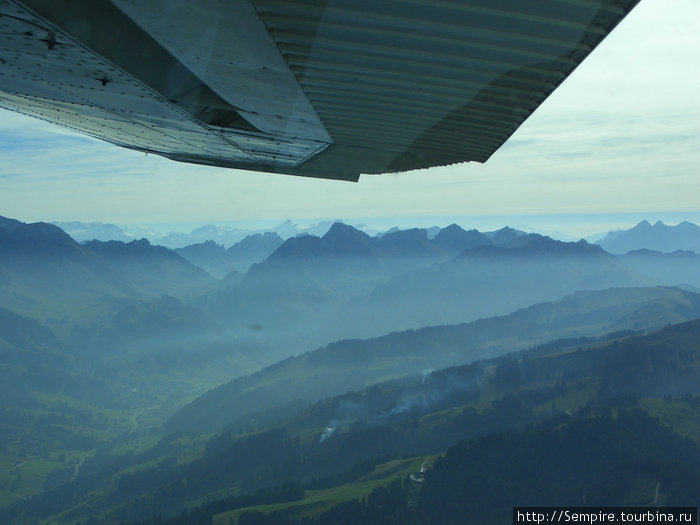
column 593, row 461
column 388, row 505
column 202, row 515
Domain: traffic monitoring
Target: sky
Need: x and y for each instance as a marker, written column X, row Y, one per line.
column 617, row 142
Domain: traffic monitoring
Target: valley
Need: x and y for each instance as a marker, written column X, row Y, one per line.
column 278, row 379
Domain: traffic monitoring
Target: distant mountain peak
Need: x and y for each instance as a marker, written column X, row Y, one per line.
column 340, row 228
column 34, row 238
column 455, row 239
column 207, row 229
column 541, row 245
column 535, row 240
column 134, row 247
column 454, row 227
column 505, row 235
column 453, row 231
column 208, row 247
column 410, row 233
column 410, row 242
column 343, row 239
column 6, row 222
column 660, row 237
column 393, row 229
column 579, row 246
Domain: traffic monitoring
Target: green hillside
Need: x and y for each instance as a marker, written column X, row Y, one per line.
column 328, row 449
column 356, row 364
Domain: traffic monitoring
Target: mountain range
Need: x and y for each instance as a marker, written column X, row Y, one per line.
column 43, row 270
column 220, row 261
column 657, row 237
column 226, row 236
column 120, row 358
column 308, row 290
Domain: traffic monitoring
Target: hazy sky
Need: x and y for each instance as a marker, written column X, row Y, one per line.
column 621, row 135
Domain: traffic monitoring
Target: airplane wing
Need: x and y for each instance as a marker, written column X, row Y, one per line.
column 319, row 88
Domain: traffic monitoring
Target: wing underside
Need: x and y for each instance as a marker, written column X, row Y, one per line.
column 319, row 88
